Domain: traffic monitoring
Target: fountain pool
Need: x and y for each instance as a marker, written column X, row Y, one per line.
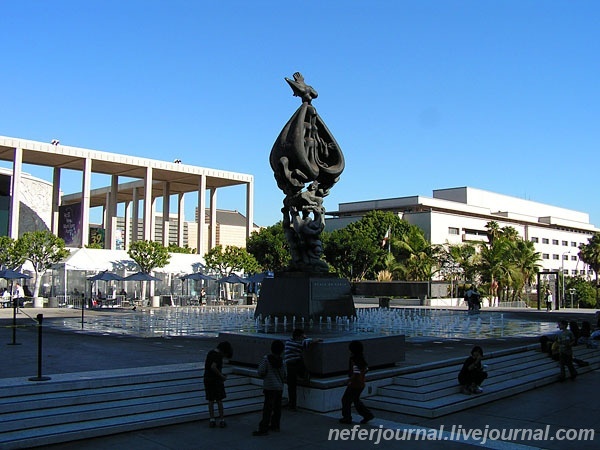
column 208, row 321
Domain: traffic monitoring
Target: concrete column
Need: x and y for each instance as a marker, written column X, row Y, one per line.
column 55, row 200
column 249, row 208
column 213, row 218
column 201, row 212
column 15, row 198
column 153, row 220
column 180, row 221
column 148, row 205
column 127, row 225
column 135, row 217
column 86, row 185
column 166, row 212
column 111, row 216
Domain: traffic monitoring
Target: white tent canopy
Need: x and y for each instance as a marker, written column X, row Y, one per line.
column 91, row 260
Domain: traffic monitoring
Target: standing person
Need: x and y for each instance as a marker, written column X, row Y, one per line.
column 202, row 296
column 549, row 300
column 294, row 362
column 357, row 369
column 214, row 381
column 272, row 370
column 565, row 340
column 471, row 374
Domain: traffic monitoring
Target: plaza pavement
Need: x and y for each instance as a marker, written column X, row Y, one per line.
column 570, row 405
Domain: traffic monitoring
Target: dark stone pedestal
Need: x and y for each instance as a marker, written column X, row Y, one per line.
column 325, row 358
column 305, row 295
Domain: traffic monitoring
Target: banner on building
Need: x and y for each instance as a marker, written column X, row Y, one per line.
column 69, row 224
column 97, row 237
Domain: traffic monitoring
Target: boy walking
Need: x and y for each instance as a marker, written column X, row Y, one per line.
column 272, row 370
column 214, row 381
column 565, row 340
column 294, row 362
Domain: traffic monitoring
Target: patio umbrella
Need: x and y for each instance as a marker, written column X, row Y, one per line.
column 259, row 277
column 9, row 274
column 141, row 276
column 233, row 278
column 197, row 276
column 105, row 276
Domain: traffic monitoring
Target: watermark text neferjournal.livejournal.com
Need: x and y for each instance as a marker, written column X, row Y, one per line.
column 460, row 433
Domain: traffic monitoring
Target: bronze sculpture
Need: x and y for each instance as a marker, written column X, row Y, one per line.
column 306, row 162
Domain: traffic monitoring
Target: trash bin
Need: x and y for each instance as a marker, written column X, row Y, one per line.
column 52, row 302
column 384, row 302
column 250, row 299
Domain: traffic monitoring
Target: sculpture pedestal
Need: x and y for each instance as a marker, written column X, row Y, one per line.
column 305, row 295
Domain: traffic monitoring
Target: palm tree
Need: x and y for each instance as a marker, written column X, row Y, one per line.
column 493, row 262
column 493, row 231
column 590, row 254
column 526, row 260
column 414, row 254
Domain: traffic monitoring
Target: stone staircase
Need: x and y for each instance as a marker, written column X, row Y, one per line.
column 90, row 404
column 432, row 390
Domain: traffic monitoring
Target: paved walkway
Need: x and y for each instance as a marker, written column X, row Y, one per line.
column 570, row 405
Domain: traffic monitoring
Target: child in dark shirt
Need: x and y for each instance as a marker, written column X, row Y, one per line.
column 214, row 381
column 472, row 374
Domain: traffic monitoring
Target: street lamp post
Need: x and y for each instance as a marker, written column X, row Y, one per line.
column 562, row 272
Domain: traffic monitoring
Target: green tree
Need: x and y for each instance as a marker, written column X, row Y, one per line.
column 12, row 253
column 270, row 248
column 415, row 255
column 585, row 295
column 230, row 259
column 42, row 249
column 590, row 254
column 149, row 255
column 527, row 262
column 353, row 255
column 174, row 248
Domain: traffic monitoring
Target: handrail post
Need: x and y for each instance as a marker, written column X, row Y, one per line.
column 14, row 324
column 40, row 319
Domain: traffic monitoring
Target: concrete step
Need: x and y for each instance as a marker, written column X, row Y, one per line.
column 89, row 404
column 529, row 369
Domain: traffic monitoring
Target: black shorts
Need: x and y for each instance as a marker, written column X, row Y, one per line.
column 214, row 390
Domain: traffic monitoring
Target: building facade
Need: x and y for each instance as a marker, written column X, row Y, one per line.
column 134, row 185
column 457, row 215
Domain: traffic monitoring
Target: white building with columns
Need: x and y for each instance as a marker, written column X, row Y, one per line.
column 460, row 214
column 135, row 184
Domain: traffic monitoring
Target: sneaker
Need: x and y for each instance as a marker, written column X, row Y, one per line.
column 477, row 390
column 367, row 419
column 259, row 433
column 344, row 420
column 222, row 424
column 212, row 424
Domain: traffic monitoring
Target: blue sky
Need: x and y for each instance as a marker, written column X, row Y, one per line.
column 420, row 95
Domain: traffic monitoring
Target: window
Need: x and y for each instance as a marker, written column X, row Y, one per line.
column 554, row 241
column 573, row 258
column 546, row 256
column 574, row 272
column 573, row 244
column 566, row 243
column 555, row 256
column 566, row 272
column 545, row 241
column 452, row 230
column 565, row 257
column 582, row 272
column 535, row 240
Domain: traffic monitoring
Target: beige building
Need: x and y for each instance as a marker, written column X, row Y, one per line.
column 460, row 214
column 135, row 185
